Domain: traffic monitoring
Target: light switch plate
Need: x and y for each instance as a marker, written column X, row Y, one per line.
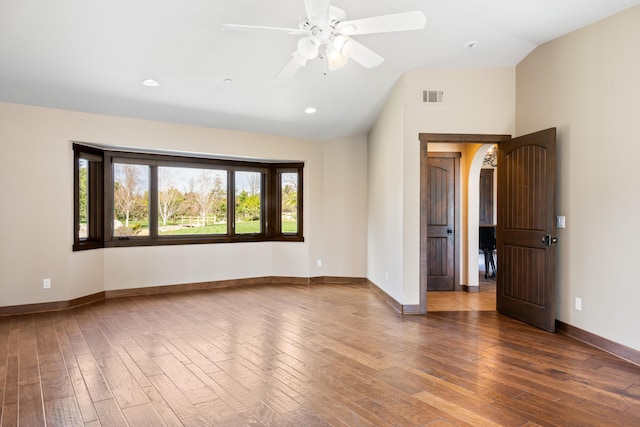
column 560, row 221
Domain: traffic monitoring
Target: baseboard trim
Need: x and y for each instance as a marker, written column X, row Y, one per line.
column 400, row 308
column 385, row 296
column 167, row 289
column 411, row 309
column 604, row 344
column 186, row 287
column 336, row 280
column 51, row 306
column 470, row 289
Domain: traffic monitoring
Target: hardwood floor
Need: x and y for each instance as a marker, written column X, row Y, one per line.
column 300, row 356
column 485, row 300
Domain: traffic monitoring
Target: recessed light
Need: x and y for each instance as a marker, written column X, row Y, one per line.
column 471, row 44
column 310, row 110
column 227, row 82
column 151, row 83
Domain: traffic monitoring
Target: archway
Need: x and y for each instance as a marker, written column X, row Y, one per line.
column 473, row 218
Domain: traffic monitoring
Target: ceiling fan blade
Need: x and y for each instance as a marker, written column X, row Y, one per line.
column 317, row 11
column 294, row 31
column 365, row 56
column 297, row 61
column 384, row 24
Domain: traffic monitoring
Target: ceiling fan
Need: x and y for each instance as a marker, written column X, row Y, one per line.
column 326, row 34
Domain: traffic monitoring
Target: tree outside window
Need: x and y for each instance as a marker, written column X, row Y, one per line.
column 130, row 199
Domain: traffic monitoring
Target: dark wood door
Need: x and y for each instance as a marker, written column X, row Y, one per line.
column 525, row 228
column 441, row 223
column 486, row 196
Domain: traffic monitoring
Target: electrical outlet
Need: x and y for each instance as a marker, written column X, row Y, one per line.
column 46, row 283
column 319, row 262
column 578, row 304
column 386, row 275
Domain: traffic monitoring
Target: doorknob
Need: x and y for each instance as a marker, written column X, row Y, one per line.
column 548, row 240
column 449, row 231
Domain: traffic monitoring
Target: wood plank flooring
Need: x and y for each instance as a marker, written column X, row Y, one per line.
column 485, row 300
column 325, row 355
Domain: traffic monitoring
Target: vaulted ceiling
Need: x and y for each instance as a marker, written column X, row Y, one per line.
column 92, row 56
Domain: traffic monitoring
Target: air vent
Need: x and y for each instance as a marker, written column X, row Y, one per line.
column 430, row 96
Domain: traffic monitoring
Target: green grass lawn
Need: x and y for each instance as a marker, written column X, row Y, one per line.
column 245, row 227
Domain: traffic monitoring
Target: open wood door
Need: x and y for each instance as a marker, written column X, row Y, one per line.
column 525, row 228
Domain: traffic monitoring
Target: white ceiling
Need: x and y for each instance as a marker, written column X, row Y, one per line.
column 91, row 55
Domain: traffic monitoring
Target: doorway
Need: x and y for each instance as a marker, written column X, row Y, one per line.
column 470, row 257
column 477, row 173
column 526, row 223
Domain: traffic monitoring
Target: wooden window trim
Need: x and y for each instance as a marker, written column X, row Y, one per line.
column 95, row 236
column 101, row 198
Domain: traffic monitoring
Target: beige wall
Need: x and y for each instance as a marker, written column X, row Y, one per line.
column 36, row 219
column 385, row 185
column 587, row 85
column 476, row 101
column 345, row 186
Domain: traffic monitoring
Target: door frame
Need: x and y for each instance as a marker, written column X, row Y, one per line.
column 425, row 139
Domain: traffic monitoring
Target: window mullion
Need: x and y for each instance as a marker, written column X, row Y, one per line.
column 153, row 202
column 271, row 199
column 107, row 206
column 231, row 203
column 96, row 200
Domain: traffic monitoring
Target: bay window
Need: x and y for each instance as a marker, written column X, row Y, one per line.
column 126, row 198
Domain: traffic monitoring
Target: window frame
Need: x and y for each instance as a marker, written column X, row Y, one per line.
column 95, row 199
column 279, row 171
column 103, row 205
column 231, row 198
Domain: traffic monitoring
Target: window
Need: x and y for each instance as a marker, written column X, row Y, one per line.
column 289, row 202
column 83, row 183
column 192, row 201
column 248, row 202
column 88, row 200
column 130, row 199
column 137, row 199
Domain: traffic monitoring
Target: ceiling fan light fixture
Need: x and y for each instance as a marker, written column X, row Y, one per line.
column 326, row 34
column 344, row 45
column 308, row 47
column 335, row 60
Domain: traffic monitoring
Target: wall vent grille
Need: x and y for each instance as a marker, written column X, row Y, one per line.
column 430, row 96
